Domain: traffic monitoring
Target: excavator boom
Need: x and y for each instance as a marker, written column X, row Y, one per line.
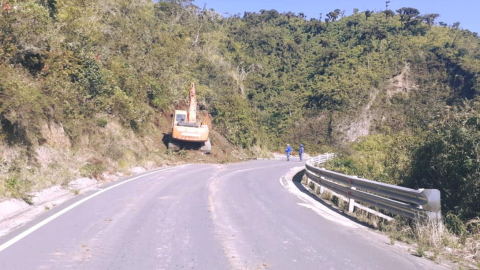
column 192, row 105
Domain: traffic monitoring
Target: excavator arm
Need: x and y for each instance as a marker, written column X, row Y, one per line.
column 192, row 105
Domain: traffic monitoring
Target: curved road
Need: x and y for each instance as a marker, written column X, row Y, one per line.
column 235, row 216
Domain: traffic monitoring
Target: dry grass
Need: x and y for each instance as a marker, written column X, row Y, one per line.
column 259, row 152
column 471, row 249
column 435, row 242
column 326, row 195
column 107, row 148
column 368, row 218
column 430, row 234
column 110, row 149
column 304, row 180
column 311, row 185
column 341, row 204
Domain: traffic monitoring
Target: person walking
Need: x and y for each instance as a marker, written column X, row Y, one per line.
column 288, row 150
column 301, row 151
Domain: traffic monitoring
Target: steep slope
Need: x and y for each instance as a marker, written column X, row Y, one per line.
column 90, row 83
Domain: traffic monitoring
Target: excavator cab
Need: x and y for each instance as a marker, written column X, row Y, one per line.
column 179, row 117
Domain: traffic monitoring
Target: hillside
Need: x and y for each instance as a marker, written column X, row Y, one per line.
column 88, row 86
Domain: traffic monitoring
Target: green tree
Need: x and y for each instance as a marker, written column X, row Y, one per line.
column 448, row 160
column 430, row 18
column 408, row 16
column 333, row 15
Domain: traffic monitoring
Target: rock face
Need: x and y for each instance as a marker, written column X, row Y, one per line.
column 54, row 135
column 379, row 108
column 400, row 84
column 361, row 125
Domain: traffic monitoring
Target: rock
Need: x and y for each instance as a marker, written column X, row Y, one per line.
column 48, row 194
column 12, row 207
column 137, row 170
column 82, row 183
column 54, row 134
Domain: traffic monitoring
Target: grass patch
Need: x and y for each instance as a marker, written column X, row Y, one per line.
column 27, row 199
column 13, row 186
column 93, row 170
column 420, row 252
column 182, row 153
column 392, row 240
column 371, row 219
column 435, row 241
column 18, row 189
column 327, row 195
column 102, row 122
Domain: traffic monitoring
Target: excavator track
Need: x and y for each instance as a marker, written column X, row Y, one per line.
column 204, row 147
column 173, row 145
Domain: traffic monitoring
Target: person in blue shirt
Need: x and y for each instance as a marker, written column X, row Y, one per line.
column 288, row 151
column 301, row 151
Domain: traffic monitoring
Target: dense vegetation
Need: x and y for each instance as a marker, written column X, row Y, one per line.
column 266, row 78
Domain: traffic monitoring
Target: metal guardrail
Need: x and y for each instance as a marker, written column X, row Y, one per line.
column 410, row 203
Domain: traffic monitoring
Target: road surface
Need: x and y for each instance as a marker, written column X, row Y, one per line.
column 204, row 216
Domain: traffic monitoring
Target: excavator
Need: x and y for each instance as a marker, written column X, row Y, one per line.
column 186, row 132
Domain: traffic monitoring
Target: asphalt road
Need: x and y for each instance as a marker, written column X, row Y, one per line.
column 235, row 216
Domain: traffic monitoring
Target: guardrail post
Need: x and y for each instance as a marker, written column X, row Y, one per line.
column 433, row 207
column 351, row 202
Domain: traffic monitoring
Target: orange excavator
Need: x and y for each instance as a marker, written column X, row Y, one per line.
column 186, row 132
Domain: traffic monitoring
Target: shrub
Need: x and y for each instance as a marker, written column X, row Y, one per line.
column 182, row 153
column 378, row 157
column 454, row 223
column 449, row 160
column 18, row 188
column 92, row 170
column 13, row 186
column 420, row 252
column 102, row 122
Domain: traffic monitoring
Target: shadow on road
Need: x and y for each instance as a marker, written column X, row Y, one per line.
column 297, row 178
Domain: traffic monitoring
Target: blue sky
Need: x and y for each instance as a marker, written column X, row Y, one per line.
column 467, row 12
